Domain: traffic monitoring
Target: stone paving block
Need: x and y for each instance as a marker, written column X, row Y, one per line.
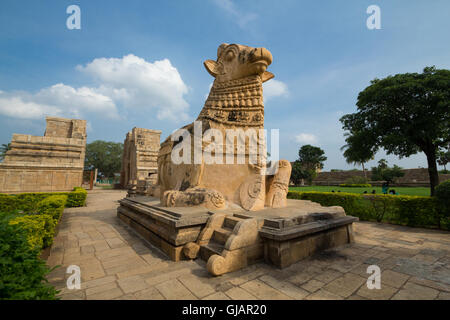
column 412, row 291
column 106, row 295
column 356, row 297
column 162, row 277
column 114, row 252
column 245, row 276
column 263, row 291
column 55, row 259
column 425, row 258
column 346, row 285
column 217, row 296
column 132, row 284
column 138, row 271
column 87, row 249
column 97, row 282
column 285, row 287
column 384, row 293
column 313, row 285
column 174, row 290
column 101, row 288
column 200, row 288
column 323, row 295
column 79, row 295
column 328, row 275
column 444, row 296
column 148, row 294
column 441, row 286
column 115, row 243
column 393, row 279
column 237, row 293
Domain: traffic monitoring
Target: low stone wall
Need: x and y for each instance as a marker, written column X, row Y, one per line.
column 412, row 178
column 13, row 180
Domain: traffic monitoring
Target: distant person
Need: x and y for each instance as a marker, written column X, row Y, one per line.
column 385, row 188
column 393, row 192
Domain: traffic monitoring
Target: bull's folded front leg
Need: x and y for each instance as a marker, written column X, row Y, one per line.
column 208, row 198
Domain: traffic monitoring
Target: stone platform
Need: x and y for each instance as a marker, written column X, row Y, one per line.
column 233, row 238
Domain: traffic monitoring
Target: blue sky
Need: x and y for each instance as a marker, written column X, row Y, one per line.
column 139, row 63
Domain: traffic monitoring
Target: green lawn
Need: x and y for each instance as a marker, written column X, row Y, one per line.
column 410, row 191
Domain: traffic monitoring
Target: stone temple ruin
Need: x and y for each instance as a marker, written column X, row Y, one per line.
column 231, row 214
column 139, row 159
column 53, row 162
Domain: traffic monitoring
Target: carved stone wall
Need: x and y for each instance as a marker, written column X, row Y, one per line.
column 140, row 155
column 53, row 162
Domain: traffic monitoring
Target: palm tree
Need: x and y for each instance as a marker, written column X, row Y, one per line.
column 355, row 153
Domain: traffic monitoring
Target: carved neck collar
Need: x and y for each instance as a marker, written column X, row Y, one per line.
column 245, row 92
column 236, row 102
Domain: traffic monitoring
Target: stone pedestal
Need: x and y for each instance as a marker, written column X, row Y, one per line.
column 232, row 238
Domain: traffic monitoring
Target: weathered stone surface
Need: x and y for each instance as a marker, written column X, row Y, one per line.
column 139, row 159
column 53, row 162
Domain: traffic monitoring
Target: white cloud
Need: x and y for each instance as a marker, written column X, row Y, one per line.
column 129, row 82
column 242, row 19
column 140, row 84
column 274, row 88
column 18, row 107
column 306, row 138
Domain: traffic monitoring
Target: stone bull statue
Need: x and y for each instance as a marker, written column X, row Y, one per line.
column 234, row 106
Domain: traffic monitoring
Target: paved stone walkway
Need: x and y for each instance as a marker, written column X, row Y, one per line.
column 117, row 264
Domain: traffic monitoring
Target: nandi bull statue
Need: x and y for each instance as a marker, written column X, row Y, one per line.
column 233, row 110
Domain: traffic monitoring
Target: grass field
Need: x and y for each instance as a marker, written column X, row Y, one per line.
column 408, row 191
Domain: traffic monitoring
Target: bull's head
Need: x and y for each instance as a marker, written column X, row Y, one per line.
column 235, row 61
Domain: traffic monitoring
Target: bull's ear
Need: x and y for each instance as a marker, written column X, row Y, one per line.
column 212, row 67
column 267, row 76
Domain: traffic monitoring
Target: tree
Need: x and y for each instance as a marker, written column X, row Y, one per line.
column 405, row 114
column 443, row 158
column 3, row 149
column 354, row 151
column 310, row 159
column 299, row 173
column 105, row 156
column 383, row 173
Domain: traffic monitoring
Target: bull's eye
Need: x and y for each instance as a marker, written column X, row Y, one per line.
column 229, row 56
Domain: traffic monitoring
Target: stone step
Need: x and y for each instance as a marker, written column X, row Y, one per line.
column 221, row 235
column 231, row 221
column 209, row 249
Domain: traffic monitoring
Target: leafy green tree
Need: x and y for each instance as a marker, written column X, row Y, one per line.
column 299, row 173
column 355, row 152
column 3, row 149
column 310, row 159
column 405, row 114
column 105, row 156
column 443, row 158
column 384, row 173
